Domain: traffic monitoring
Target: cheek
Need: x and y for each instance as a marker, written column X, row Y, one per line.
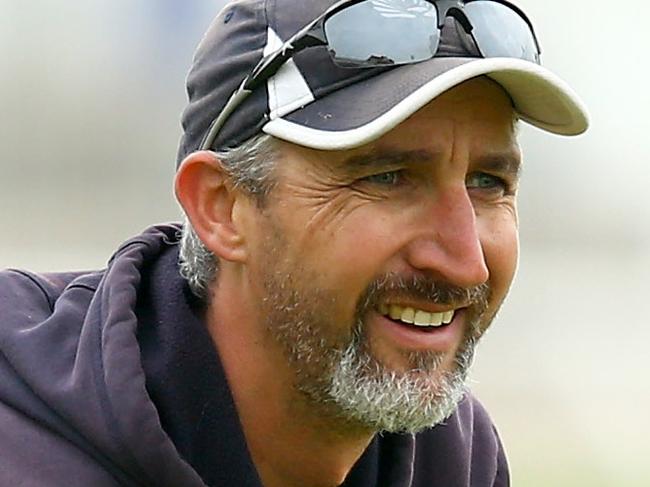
column 500, row 242
column 348, row 258
column 359, row 247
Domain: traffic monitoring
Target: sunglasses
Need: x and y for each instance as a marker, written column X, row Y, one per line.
column 384, row 33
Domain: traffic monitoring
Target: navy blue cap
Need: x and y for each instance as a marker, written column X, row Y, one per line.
column 315, row 103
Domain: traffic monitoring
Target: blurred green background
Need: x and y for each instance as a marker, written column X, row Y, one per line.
column 89, row 108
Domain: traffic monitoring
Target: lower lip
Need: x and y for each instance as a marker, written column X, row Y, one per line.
column 432, row 339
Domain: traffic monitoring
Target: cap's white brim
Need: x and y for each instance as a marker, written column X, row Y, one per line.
column 539, row 97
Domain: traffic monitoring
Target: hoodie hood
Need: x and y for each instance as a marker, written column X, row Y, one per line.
column 71, row 362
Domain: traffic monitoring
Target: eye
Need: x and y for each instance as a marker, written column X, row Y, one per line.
column 486, row 182
column 389, row 178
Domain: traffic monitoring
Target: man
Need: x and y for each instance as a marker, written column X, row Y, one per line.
column 349, row 175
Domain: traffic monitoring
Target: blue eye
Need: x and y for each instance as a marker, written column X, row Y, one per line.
column 481, row 180
column 389, row 178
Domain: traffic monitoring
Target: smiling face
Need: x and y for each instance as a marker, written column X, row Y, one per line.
column 377, row 269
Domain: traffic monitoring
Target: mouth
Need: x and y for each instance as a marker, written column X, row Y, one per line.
column 409, row 327
column 417, row 318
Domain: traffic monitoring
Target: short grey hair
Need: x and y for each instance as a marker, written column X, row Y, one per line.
column 249, row 167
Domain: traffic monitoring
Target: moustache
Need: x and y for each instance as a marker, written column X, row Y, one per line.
column 424, row 288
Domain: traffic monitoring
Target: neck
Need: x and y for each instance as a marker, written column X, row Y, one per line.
column 290, row 441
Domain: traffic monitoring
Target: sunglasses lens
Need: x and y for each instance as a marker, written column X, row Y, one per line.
column 501, row 32
column 383, row 33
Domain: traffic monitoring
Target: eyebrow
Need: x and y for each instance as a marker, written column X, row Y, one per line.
column 508, row 162
column 385, row 158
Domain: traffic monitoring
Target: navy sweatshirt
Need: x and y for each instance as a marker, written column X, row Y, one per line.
column 110, row 379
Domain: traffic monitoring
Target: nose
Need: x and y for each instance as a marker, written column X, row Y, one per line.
column 448, row 245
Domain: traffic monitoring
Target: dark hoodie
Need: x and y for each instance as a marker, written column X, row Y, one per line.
column 110, row 379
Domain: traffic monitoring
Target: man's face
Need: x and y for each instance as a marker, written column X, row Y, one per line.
column 420, row 225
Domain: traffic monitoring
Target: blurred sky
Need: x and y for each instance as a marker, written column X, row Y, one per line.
column 90, row 102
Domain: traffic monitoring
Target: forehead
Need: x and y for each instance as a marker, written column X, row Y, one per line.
column 478, row 110
column 477, row 102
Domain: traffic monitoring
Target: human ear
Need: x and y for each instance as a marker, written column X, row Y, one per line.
column 210, row 202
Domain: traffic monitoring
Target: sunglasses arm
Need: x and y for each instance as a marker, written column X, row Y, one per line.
column 235, row 100
column 270, row 65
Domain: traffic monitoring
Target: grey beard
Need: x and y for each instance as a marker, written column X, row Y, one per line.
column 369, row 394
column 342, row 380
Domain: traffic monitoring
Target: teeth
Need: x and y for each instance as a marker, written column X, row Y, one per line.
column 408, row 315
column 436, row 319
column 395, row 312
column 422, row 318
column 416, row 317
